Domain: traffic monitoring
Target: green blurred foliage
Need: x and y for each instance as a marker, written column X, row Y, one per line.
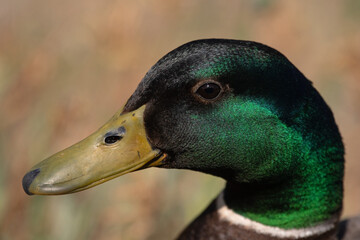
column 66, row 67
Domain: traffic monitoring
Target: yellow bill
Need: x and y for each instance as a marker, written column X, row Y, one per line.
column 117, row 148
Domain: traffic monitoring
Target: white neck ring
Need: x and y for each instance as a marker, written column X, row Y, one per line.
column 226, row 214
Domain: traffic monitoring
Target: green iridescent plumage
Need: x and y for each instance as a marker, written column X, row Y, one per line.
column 294, row 162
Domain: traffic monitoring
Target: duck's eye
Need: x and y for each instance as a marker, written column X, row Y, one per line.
column 209, row 91
column 112, row 139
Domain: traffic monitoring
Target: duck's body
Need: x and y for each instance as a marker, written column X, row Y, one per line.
column 235, row 109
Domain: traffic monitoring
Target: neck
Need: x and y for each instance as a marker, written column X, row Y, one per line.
column 325, row 228
column 312, row 195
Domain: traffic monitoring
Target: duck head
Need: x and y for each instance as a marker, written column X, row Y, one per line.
column 235, row 109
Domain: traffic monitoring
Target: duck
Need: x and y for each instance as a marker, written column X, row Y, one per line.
column 235, row 109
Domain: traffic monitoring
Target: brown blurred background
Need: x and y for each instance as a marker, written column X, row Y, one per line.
column 67, row 66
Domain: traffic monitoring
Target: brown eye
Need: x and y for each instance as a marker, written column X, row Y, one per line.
column 209, row 91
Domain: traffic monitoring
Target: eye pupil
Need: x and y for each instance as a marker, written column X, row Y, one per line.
column 209, row 91
column 112, row 139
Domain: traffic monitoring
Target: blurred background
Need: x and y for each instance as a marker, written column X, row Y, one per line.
column 67, row 66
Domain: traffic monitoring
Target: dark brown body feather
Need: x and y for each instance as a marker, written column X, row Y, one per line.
column 349, row 229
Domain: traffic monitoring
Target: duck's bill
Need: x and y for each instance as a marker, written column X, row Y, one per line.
column 117, row 148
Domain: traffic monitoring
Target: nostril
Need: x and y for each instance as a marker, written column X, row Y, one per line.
column 114, row 135
column 28, row 179
column 112, row 139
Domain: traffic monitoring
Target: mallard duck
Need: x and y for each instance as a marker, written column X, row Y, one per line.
column 239, row 110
